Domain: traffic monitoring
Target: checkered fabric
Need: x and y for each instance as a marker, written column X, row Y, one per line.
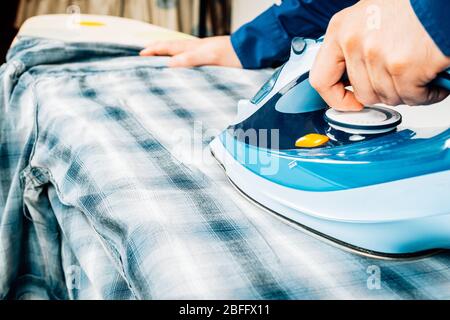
column 108, row 191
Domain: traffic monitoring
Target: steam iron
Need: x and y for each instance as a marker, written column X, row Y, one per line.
column 376, row 182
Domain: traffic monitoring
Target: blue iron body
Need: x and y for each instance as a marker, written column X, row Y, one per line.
column 386, row 194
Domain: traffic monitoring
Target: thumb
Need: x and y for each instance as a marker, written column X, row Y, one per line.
column 326, row 78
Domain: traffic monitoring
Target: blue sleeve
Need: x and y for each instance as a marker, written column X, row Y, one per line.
column 435, row 17
column 265, row 42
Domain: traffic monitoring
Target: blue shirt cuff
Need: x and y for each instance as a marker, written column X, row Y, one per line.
column 434, row 17
column 261, row 43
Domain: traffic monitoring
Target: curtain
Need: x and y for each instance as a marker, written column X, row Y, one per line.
column 209, row 17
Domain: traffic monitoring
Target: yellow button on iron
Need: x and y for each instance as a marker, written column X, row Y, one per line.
column 91, row 24
column 312, row 140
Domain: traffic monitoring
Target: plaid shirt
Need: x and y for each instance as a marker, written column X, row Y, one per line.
column 108, row 191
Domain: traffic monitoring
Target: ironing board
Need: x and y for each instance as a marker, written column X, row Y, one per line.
column 134, row 218
column 96, row 28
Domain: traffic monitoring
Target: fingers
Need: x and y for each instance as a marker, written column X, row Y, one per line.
column 188, row 59
column 435, row 95
column 182, row 52
column 383, row 86
column 381, row 80
column 217, row 51
column 414, row 94
column 167, row 48
column 326, row 75
column 194, row 58
column 360, row 80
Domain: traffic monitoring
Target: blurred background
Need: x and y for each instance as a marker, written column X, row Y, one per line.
column 197, row 17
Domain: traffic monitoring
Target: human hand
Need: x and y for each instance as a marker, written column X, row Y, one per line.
column 389, row 58
column 197, row 52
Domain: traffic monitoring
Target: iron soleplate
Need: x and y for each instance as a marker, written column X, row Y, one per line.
column 330, row 240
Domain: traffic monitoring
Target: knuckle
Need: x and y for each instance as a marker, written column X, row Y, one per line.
column 397, row 67
column 371, row 54
column 351, row 43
